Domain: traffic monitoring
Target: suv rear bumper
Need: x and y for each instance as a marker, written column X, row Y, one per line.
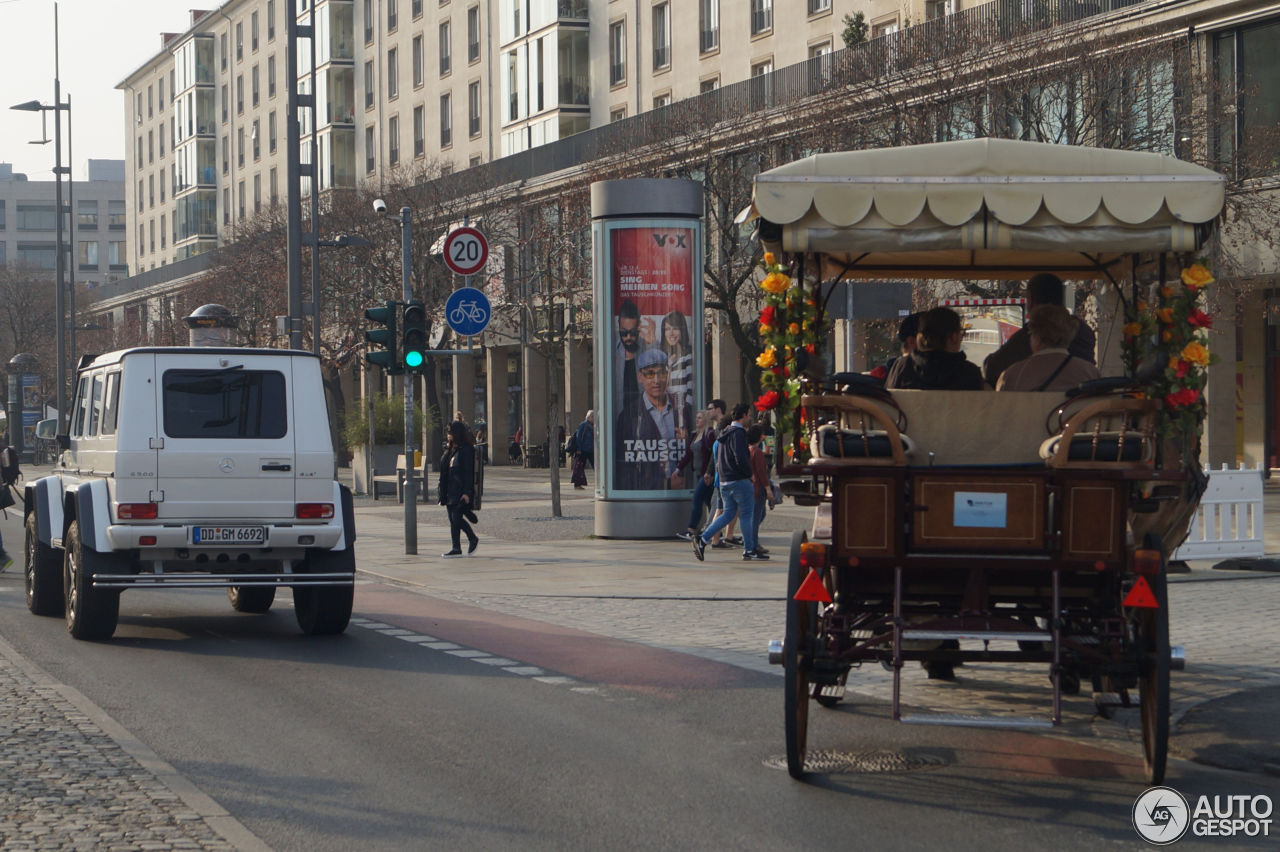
column 188, row 580
column 129, row 537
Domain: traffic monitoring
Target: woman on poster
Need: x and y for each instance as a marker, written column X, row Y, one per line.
column 679, row 349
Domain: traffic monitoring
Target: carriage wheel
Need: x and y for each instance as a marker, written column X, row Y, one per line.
column 1153, row 680
column 801, row 620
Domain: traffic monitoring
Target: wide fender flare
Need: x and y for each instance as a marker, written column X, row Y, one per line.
column 44, row 497
column 91, row 507
column 346, row 506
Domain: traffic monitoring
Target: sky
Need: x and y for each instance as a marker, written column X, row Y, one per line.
column 101, row 43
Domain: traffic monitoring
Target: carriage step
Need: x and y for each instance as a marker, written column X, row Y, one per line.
column 980, row 635
column 966, row 720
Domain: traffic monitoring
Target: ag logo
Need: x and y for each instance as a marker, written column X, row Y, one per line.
column 1161, row 816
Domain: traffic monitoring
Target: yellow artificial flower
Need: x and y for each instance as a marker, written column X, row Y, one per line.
column 765, row 329
column 1197, row 353
column 768, row 258
column 1133, row 329
column 1166, row 335
column 1196, row 276
column 1173, row 362
column 794, row 328
column 766, row 359
column 1166, row 291
column 776, row 283
column 1142, row 307
column 1165, row 315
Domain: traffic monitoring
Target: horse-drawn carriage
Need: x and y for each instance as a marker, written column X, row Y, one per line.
column 950, row 526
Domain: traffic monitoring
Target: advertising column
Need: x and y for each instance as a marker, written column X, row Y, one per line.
column 647, row 239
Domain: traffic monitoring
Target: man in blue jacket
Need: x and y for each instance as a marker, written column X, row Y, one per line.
column 733, row 466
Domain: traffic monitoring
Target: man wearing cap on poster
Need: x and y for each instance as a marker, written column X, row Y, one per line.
column 651, row 428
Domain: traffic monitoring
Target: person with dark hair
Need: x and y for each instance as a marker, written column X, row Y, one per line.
column 625, row 385
column 733, row 466
column 907, row 330
column 1051, row 366
column 674, row 340
column 584, row 449
column 1044, row 288
column 759, row 478
column 701, row 469
column 457, row 485
column 937, row 362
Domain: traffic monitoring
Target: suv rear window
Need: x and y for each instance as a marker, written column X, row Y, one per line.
column 233, row 403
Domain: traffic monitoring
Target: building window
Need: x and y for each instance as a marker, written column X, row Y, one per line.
column 393, row 140
column 151, row 190
column 240, row 147
column 271, row 132
column 223, row 41
column 240, row 208
column 820, row 63
column 226, row 206
column 708, row 85
column 446, row 120
column 226, row 102
column 393, row 77
column 1249, row 103
column 163, row 235
column 473, row 109
column 226, row 153
column 142, row 201
column 816, row 6
column 272, row 187
column 239, row 94
column 884, row 28
column 662, row 100
column 368, row 21
column 253, row 32
column 761, row 16
column 162, row 141
column 271, row 20
column 513, row 86
column 446, row 50
column 661, row 36
column 41, row 217
column 160, row 97
column 370, row 159
column 151, row 146
column 368, row 84
column 271, row 76
column 87, row 254
column 419, row 131
column 151, row 102
column 86, row 216
column 257, row 193
column 393, row 19
column 617, row 53
column 239, row 41
column 152, row 229
column 256, row 135
column 115, row 254
column 617, row 114
column 417, row 8
column 253, row 85
column 473, row 34
column 417, row 61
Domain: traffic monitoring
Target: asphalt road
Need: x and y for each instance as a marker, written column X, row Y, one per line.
column 432, row 724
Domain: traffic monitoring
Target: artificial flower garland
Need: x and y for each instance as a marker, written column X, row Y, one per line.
column 791, row 329
column 1174, row 333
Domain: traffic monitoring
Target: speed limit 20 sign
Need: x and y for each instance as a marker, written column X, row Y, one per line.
column 465, row 250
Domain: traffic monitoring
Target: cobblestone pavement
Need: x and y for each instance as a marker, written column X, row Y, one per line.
column 68, row 784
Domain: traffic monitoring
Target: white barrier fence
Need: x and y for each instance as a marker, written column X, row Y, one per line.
column 1229, row 520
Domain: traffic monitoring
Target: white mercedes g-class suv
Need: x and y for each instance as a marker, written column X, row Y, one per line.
column 188, row 467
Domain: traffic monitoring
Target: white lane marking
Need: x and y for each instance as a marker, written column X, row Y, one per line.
column 513, row 666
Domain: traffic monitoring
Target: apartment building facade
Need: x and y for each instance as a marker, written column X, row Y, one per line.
column 94, row 232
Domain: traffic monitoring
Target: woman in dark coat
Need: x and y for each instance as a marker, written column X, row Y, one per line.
column 457, row 485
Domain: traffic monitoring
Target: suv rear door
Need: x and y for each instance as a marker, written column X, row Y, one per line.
column 227, row 422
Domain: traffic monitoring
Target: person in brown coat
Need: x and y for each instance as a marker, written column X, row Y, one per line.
column 1051, row 366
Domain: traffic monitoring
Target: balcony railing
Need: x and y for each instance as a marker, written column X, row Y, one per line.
column 572, row 9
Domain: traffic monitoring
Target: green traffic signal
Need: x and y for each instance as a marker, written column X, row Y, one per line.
column 386, row 337
column 413, row 341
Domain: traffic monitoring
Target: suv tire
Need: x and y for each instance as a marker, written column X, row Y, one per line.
column 256, row 599
column 91, row 613
column 43, row 573
column 325, row 610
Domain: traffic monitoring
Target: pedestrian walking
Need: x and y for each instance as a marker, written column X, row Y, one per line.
column 583, row 444
column 699, row 459
column 457, row 486
column 759, row 478
column 733, row 464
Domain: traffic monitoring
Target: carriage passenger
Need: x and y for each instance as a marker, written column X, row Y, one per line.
column 937, row 362
column 1052, row 366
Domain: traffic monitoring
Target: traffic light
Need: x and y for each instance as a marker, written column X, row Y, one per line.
column 386, row 337
column 413, row 337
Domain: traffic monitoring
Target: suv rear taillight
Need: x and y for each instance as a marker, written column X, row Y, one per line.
column 313, row 511
column 137, row 511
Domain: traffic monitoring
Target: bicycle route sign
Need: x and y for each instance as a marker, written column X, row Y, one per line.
column 465, row 250
column 467, row 311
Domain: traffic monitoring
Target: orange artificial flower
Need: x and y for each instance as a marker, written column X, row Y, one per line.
column 1132, row 329
column 1196, row 353
column 1165, row 315
column 794, row 328
column 767, row 358
column 768, row 258
column 1196, row 276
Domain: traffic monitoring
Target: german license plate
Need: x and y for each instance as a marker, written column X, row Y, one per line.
column 228, row 535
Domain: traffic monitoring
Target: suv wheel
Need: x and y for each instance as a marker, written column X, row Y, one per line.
column 251, row 598
column 91, row 613
column 325, row 610
column 43, row 573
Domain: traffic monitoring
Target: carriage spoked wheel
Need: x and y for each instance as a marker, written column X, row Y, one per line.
column 802, row 617
column 1153, row 676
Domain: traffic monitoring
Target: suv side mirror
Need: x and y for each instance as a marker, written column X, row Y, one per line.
column 64, row 442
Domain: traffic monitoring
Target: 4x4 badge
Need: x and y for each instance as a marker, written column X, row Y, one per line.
column 226, row 465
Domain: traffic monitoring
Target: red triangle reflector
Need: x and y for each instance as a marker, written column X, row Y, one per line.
column 812, row 589
column 1140, row 596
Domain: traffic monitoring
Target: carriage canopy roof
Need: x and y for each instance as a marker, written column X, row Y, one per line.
column 985, row 208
